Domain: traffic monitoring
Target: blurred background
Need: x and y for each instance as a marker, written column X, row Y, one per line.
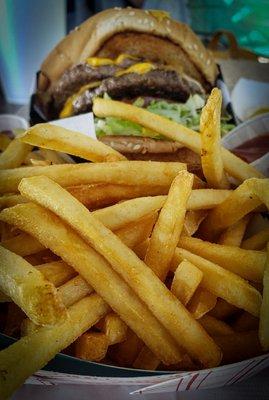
column 29, row 29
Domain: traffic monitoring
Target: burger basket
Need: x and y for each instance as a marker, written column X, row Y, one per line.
column 64, row 369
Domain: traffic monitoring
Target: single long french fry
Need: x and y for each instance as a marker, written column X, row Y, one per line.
column 57, row 272
column 10, row 200
column 257, row 241
column 201, row 303
column 121, row 173
column 74, row 290
column 248, row 264
column 223, row 283
column 264, row 317
column 23, row 245
column 211, row 155
column 97, row 272
column 167, row 230
column 186, row 280
column 51, row 340
column 241, row 201
column 124, row 262
column 215, row 327
column 233, row 165
column 14, row 155
column 234, row 234
column 28, row 288
column 57, row 138
column 4, row 141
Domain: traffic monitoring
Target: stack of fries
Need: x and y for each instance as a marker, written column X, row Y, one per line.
column 161, row 278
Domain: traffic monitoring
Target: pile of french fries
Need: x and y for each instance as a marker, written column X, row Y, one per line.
column 135, row 263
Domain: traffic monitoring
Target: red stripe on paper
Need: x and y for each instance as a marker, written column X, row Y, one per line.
column 179, row 383
column 239, row 372
column 191, row 381
column 249, row 370
column 203, row 380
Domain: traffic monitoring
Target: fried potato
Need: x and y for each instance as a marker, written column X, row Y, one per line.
column 248, row 264
column 11, row 200
column 23, row 245
column 52, row 232
column 28, row 288
column 51, row 340
column 201, row 303
column 211, row 155
column 125, row 353
column 120, row 173
column 57, row 138
column 14, row 155
column 186, row 280
column 91, row 346
column 146, row 360
column 4, row 141
column 74, row 290
column 233, row 165
column 167, row 230
column 234, row 234
column 215, row 327
column 192, row 221
column 223, row 310
column 114, row 328
column 57, row 272
column 186, row 332
column 264, row 317
column 245, row 322
column 257, row 241
column 223, row 283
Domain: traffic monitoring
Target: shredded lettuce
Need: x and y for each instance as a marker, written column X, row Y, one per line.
column 187, row 114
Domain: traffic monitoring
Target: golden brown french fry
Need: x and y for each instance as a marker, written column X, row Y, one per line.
column 91, row 346
column 120, row 173
column 240, row 202
column 186, row 280
column 248, row 264
column 125, row 353
column 28, row 288
column 186, row 332
column 201, row 303
column 57, row 138
column 245, row 322
column 211, row 156
column 4, row 298
column 257, row 241
column 114, row 329
column 167, row 230
column 4, row 141
column 192, row 221
column 74, row 290
column 14, row 155
column 234, row 234
column 52, row 232
column 53, row 157
column 82, row 316
column 146, row 360
column 57, row 272
column 215, row 327
column 264, row 317
column 23, row 245
column 223, row 283
column 239, row 346
column 223, row 310
column 233, row 165
column 11, row 200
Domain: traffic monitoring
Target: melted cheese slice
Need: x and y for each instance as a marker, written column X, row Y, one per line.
column 139, row 68
column 97, row 61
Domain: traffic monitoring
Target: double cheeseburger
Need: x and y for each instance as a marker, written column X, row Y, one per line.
column 136, row 56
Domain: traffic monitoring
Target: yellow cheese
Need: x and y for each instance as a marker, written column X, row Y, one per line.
column 159, row 14
column 97, row 61
column 139, row 68
column 67, row 110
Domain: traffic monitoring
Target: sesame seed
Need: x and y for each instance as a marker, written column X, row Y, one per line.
column 168, row 22
column 146, row 21
column 137, row 147
column 131, row 13
column 146, row 11
column 117, row 8
column 208, row 62
column 201, row 56
column 195, row 46
column 168, row 30
column 152, row 24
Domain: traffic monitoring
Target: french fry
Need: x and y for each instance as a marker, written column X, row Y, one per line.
column 51, row 340
column 74, row 290
column 192, row 221
column 14, row 155
column 239, row 346
column 52, row 232
column 125, row 353
column 223, row 310
column 240, row 202
column 264, row 317
column 211, row 156
column 11, row 200
column 121, row 173
column 223, row 283
column 201, row 303
column 257, row 241
column 233, row 165
column 167, row 230
column 234, row 234
column 23, row 245
column 248, row 264
column 185, row 282
column 245, row 322
column 4, row 141
column 14, row 319
column 27, row 287
column 215, row 327
column 146, row 360
column 91, row 346
column 57, row 138
column 114, row 329
column 125, row 263
column 4, row 298
column 57, row 272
